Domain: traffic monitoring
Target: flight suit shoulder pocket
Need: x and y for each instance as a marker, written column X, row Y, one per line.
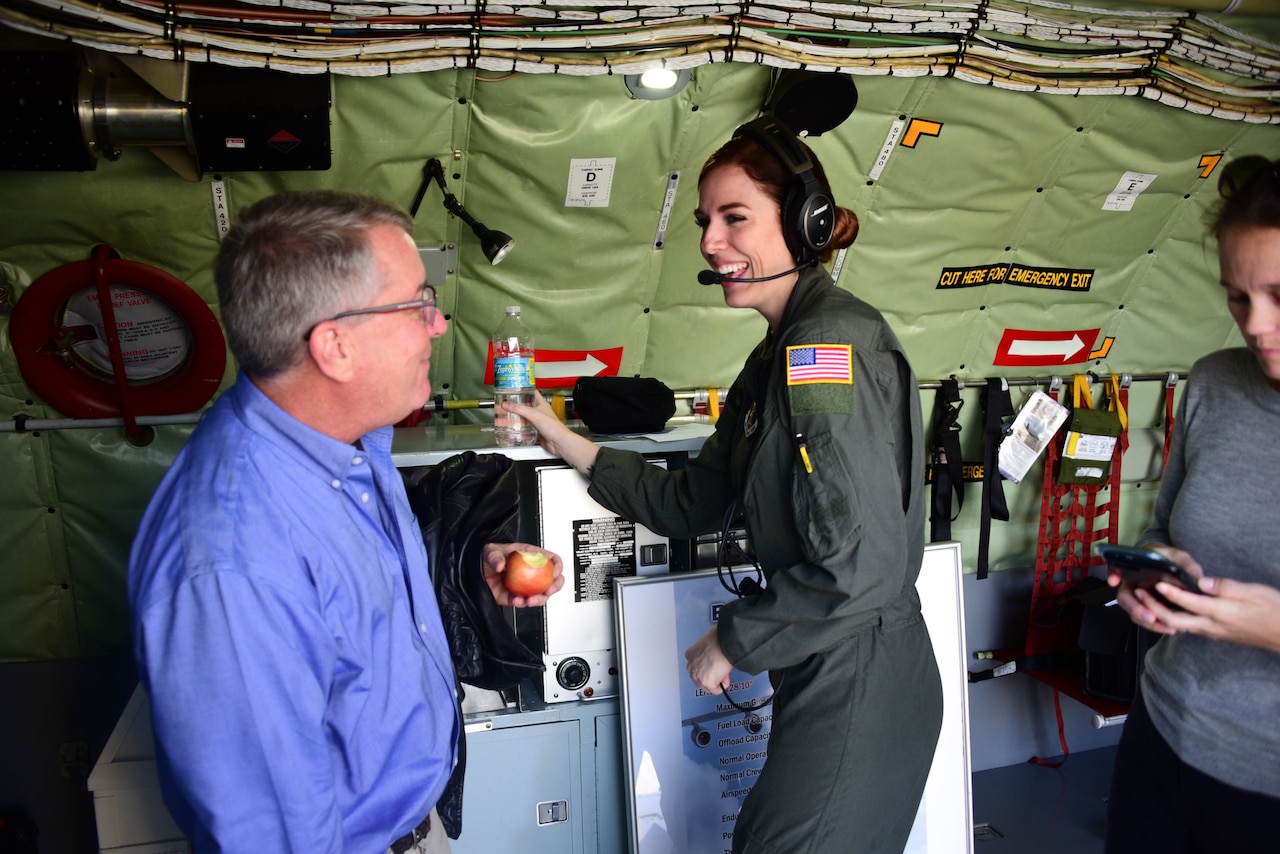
column 822, row 494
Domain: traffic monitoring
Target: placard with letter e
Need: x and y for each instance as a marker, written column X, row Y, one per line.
column 691, row 757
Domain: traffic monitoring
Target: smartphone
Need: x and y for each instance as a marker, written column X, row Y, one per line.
column 1144, row 568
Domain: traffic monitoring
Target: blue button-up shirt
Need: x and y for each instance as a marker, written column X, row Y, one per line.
column 287, row 631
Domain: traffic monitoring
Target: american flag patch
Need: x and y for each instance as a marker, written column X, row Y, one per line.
column 820, row 363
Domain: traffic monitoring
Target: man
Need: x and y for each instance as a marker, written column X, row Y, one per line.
column 285, row 625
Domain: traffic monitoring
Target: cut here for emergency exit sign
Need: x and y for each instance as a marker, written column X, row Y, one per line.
column 1052, row 278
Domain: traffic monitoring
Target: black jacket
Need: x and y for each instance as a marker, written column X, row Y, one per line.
column 461, row 504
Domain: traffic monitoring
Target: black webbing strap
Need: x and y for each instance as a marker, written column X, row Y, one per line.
column 948, row 469
column 997, row 406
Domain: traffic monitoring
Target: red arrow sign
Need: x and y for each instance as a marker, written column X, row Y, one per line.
column 561, row 368
column 1032, row 347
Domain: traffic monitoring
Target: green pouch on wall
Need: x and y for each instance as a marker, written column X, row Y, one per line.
column 1091, row 439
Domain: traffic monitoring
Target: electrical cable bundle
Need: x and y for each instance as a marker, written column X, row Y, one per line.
column 1178, row 58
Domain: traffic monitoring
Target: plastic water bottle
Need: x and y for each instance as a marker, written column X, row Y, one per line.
column 512, row 379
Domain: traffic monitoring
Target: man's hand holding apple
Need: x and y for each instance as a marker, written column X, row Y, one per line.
column 521, row 574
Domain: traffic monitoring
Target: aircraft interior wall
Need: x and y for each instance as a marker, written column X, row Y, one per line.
column 986, row 214
column 993, row 180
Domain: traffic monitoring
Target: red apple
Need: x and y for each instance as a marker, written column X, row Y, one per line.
column 528, row 573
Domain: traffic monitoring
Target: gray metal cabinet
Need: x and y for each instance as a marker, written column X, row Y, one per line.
column 544, row 778
column 522, row 790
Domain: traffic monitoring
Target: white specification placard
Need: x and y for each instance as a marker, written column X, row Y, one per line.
column 590, row 181
column 1127, row 191
column 691, row 757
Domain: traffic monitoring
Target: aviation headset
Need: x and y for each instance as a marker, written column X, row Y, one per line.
column 808, row 211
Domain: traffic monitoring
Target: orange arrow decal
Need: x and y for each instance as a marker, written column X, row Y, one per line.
column 1101, row 352
column 1209, row 162
column 919, row 127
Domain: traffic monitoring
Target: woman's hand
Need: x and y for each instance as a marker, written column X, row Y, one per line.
column 707, row 664
column 1143, row 608
column 557, row 439
column 495, row 563
column 1224, row 609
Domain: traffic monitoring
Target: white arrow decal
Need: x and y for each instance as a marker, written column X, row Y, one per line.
column 587, row 367
column 1061, row 349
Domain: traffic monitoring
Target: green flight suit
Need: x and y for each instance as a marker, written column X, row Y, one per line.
column 858, row 705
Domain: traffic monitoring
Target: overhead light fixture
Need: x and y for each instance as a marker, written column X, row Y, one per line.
column 659, row 78
column 657, row 83
column 494, row 244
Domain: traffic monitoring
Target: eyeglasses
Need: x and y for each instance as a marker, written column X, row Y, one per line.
column 427, row 304
column 1239, row 175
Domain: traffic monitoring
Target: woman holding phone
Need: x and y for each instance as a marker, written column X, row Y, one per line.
column 1198, row 766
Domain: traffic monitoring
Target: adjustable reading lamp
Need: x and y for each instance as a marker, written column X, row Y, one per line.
column 494, row 244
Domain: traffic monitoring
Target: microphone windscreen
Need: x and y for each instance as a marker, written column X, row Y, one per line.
column 709, row 277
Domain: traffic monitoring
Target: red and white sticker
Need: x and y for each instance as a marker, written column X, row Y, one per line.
column 561, row 368
column 1039, row 347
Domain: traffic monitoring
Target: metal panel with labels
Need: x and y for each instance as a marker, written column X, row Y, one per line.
column 597, row 546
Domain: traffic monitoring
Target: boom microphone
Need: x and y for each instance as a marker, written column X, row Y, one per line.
column 711, row 277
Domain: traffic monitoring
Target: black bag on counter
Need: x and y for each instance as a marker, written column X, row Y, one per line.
column 623, row 404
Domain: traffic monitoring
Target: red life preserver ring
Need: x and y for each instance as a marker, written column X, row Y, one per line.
column 45, row 345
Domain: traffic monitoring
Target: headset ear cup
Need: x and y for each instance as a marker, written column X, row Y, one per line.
column 809, row 221
column 808, row 211
column 818, row 221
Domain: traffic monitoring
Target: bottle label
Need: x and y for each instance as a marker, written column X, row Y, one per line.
column 513, row 372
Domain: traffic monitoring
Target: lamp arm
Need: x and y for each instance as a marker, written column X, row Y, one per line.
column 495, row 244
column 435, row 171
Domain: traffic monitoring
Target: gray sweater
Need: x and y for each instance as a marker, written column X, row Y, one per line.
column 1217, row 703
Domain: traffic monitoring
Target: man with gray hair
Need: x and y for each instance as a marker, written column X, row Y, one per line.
column 285, row 625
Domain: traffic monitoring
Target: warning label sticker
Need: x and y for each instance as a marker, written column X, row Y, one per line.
column 603, row 549
column 154, row 339
column 1052, row 278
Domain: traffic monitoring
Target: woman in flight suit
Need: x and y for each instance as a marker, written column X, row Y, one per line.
column 820, row 445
